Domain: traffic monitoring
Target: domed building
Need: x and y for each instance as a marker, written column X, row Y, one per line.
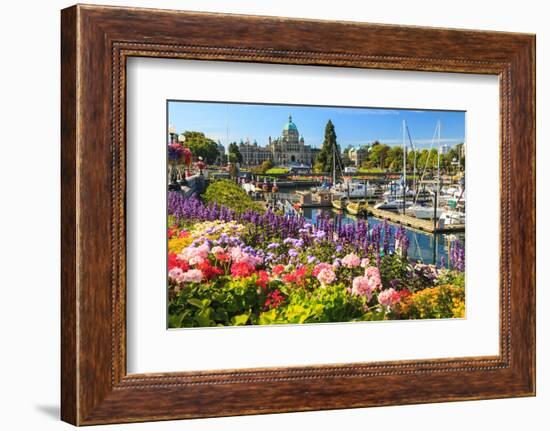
column 290, row 148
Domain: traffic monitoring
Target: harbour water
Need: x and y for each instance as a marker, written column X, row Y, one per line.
column 423, row 247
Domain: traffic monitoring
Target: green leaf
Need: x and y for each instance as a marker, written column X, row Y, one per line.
column 203, row 317
column 195, row 302
column 201, row 304
column 240, row 319
column 268, row 317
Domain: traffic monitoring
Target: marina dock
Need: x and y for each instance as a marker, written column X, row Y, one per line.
column 413, row 222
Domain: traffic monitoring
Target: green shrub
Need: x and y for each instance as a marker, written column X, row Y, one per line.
column 277, row 171
column 229, row 194
column 330, row 304
column 228, row 302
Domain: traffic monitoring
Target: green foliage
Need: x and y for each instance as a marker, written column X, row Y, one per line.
column 324, row 160
column 277, row 171
column 378, row 155
column 201, row 146
column 394, row 267
column 384, row 157
column 221, row 303
column 365, row 170
column 451, row 277
column 229, row 194
column 263, row 168
column 235, row 155
column 330, row 304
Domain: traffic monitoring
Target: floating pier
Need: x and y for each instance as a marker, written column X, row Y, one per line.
column 413, row 222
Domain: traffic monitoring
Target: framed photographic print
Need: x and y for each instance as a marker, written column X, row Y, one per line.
column 283, row 212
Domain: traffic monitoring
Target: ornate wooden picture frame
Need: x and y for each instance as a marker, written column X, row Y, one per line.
column 96, row 41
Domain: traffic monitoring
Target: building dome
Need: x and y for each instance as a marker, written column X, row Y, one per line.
column 290, row 126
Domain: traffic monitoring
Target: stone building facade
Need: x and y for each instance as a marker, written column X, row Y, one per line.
column 253, row 154
column 287, row 149
column 358, row 155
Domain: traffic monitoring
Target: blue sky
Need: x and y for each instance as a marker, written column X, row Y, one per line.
column 354, row 126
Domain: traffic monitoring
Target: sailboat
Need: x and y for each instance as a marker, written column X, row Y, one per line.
column 398, row 196
column 430, row 212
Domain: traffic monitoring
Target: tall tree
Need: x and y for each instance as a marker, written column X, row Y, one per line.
column 379, row 154
column 324, row 162
column 201, row 146
column 237, row 156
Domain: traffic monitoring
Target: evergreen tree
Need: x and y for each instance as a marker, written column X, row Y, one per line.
column 234, row 149
column 324, row 161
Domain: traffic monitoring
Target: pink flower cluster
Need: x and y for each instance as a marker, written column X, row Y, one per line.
column 351, row 260
column 195, row 255
column 389, row 297
column 319, row 267
column 326, row 276
column 362, row 287
column 239, row 256
column 365, row 285
column 190, row 276
column 373, row 274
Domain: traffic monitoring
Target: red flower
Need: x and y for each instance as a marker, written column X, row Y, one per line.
column 298, row 276
column 241, row 269
column 184, row 234
column 263, row 279
column 174, row 261
column 278, row 269
column 274, row 299
column 404, row 293
column 223, row 257
column 208, row 270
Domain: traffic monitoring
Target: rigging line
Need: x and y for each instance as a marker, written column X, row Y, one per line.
column 429, row 153
column 414, row 157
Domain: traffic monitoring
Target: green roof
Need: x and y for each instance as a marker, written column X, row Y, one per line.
column 290, row 125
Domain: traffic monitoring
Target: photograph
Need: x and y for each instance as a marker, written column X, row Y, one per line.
column 302, row 214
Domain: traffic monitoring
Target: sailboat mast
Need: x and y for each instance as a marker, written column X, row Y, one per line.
column 438, row 148
column 404, row 165
column 436, row 197
column 333, row 164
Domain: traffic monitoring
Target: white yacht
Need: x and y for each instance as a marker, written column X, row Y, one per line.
column 424, row 212
column 393, row 205
column 353, row 190
column 451, row 217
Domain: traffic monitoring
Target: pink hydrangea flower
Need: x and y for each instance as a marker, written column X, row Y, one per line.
column 326, row 276
column 217, row 250
column 362, row 286
column 373, row 274
column 351, row 260
column 319, row 267
column 190, row 252
column 196, row 260
column 389, row 297
column 176, row 274
column 239, row 256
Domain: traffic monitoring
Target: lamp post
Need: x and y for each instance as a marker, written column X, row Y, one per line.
column 181, row 140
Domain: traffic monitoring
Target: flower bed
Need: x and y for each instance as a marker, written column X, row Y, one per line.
column 252, row 268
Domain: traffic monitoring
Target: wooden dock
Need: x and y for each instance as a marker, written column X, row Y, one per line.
column 413, row 222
